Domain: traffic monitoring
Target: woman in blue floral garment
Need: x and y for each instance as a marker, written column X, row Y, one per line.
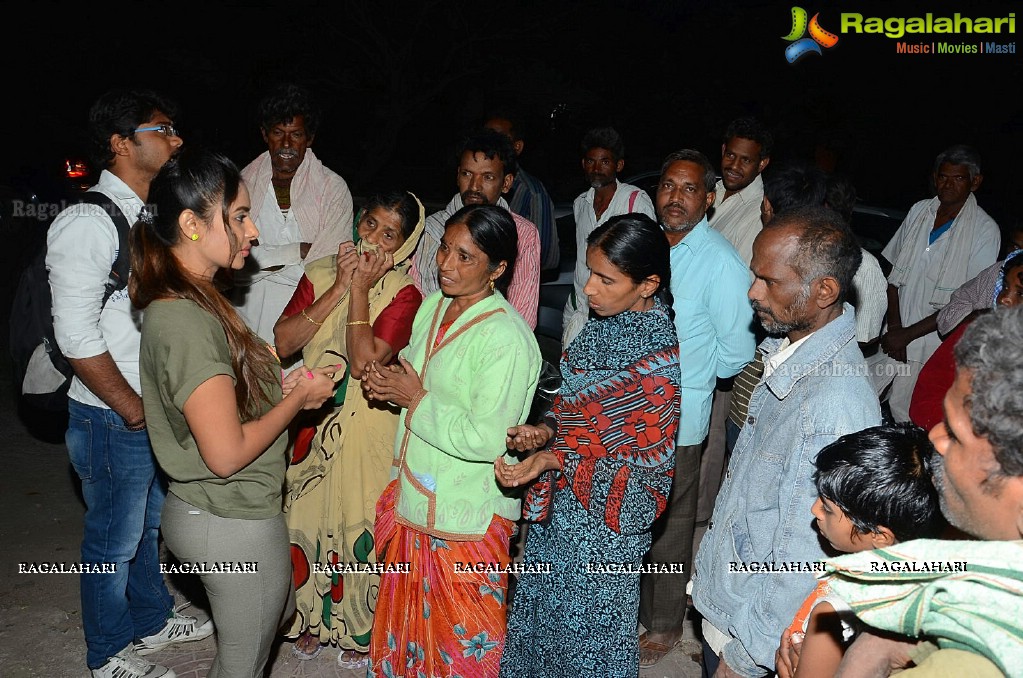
column 606, row 470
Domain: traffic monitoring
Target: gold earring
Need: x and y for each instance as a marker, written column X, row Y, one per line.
column 491, row 285
column 195, row 236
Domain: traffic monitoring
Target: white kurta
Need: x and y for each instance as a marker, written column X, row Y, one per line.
column 262, row 302
column 586, row 221
column 916, row 293
column 738, row 217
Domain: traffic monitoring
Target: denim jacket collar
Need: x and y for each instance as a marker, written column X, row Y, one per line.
column 820, row 349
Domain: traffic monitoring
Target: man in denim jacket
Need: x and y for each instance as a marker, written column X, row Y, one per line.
column 755, row 563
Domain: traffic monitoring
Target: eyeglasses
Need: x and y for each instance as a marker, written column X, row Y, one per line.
column 166, row 130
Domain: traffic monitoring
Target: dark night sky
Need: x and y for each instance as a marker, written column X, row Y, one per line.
column 398, row 85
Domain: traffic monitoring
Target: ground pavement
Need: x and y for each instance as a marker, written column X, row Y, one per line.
column 41, row 522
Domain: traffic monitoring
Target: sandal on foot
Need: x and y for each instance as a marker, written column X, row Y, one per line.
column 296, row 651
column 660, row 650
column 352, row 659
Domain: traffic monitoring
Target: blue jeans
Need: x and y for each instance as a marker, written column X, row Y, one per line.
column 124, row 495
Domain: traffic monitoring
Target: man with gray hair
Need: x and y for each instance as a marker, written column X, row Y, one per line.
column 943, row 242
column 750, row 576
column 979, row 476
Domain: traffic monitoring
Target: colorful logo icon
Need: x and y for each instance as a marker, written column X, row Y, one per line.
column 801, row 46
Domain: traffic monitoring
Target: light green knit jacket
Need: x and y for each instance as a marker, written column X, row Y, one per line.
column 478, row 382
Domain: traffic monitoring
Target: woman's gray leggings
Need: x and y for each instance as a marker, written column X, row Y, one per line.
column 248, row 606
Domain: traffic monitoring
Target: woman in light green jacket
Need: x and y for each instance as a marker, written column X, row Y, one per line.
column 444, row 524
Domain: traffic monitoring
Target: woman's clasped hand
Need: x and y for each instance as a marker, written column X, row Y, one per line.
column 398, row 384
column 313, row 384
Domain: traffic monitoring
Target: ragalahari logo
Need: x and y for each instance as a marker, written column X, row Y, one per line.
column 801, row 46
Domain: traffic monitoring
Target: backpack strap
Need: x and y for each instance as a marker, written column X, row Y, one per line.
column 632, row 200
column 122, row 265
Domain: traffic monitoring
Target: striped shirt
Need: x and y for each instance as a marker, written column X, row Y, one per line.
column 871, row 298
column 524, row 288
column 742, row 388
column 973, row 295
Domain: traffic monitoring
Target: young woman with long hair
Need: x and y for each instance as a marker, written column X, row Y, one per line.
column 215, row 404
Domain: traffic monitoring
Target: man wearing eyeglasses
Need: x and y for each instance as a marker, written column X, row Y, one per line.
column 128, row 612
column 303, row 209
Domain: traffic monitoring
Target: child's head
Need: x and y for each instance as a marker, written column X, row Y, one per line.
column 875, row 489
column 1009, row 286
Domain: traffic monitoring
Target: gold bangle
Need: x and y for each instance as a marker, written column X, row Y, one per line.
column 304, row 315
column 356, row 322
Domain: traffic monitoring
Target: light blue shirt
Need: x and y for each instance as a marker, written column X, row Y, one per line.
column 714, row 321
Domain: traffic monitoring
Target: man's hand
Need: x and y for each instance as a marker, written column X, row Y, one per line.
column 103, row 377
column 871, row 656
column 724, row 670
column 894, row 343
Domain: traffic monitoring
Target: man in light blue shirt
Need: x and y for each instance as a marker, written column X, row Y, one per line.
column 714, row 321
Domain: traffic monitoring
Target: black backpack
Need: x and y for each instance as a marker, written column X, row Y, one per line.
column 34, row 350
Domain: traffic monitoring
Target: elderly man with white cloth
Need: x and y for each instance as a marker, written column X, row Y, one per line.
column 302, row 209
column 943, row 242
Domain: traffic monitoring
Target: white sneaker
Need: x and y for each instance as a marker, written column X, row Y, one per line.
column 179, row 629
column 128, row 664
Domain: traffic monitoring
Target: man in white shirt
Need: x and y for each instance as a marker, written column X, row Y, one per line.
column 129, row 611
column 870, row 288
column 943, row 242
column 303, row 210
column 603, row 160
column 745, row 153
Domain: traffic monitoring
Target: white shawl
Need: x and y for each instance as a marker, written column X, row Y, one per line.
column 320, row 198
column 955, row 264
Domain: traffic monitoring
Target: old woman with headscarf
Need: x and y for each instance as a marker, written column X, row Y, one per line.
column 355, row 307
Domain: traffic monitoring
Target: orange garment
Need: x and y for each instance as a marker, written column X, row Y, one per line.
column 798, row 624
column 438, row 619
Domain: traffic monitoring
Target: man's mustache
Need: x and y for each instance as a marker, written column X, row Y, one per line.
column 763, row 309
